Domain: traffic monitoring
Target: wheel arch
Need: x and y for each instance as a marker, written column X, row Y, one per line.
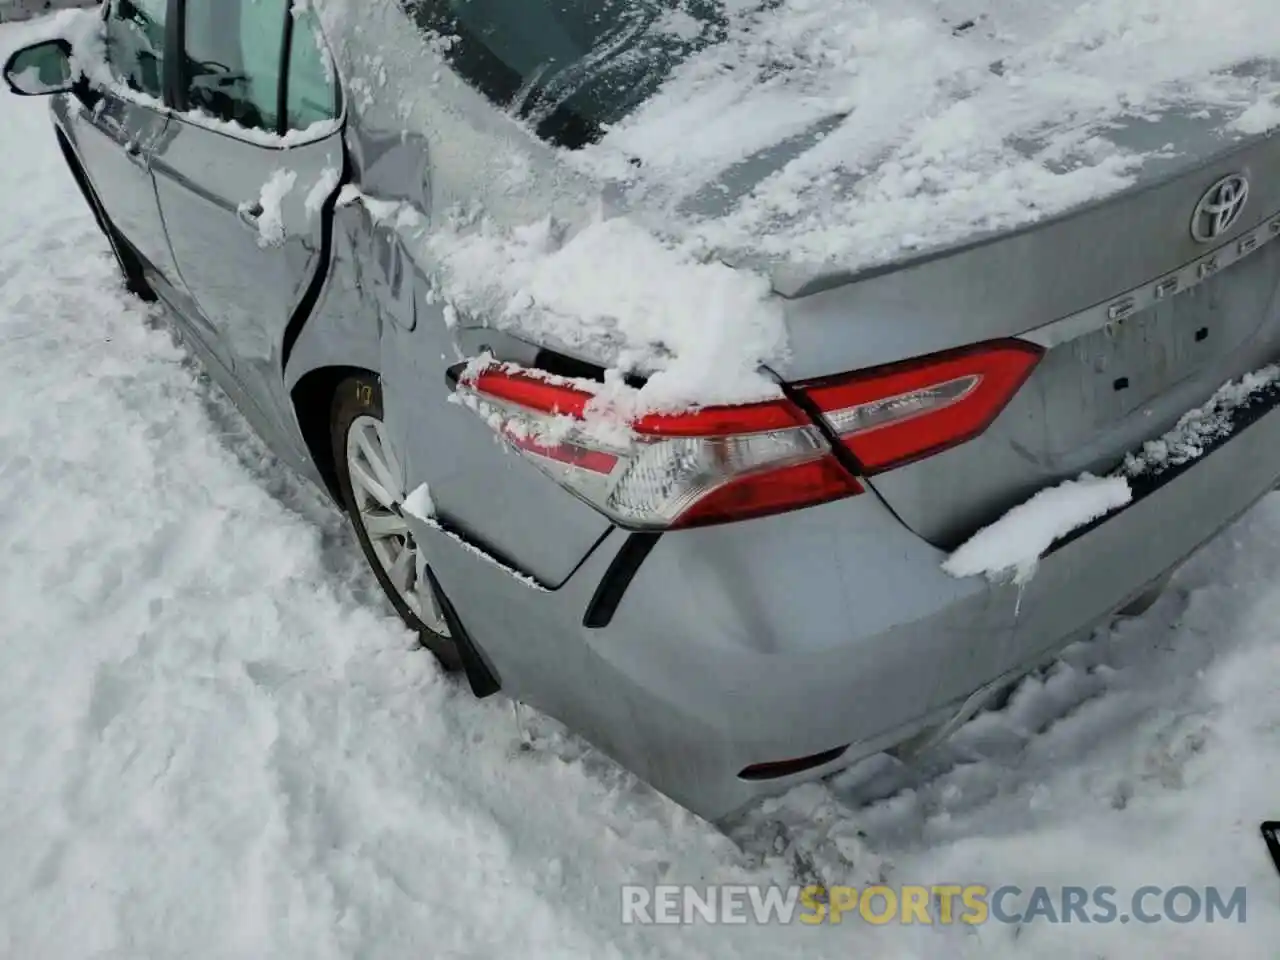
column 312, row 397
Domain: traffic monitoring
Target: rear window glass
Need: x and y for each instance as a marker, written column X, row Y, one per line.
column 569, row 67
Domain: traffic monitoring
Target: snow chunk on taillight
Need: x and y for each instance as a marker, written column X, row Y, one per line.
column 714, row 465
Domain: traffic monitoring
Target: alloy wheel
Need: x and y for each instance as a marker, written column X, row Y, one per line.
column 378, row 486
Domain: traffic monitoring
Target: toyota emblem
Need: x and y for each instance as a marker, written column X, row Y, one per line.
column 1220, row 208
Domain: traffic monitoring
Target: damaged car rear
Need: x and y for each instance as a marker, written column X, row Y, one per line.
column 672, row 356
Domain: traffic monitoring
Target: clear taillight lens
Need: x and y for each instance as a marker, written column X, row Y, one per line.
column 674, row 482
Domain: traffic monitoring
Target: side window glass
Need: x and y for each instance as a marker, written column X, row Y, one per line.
column 312, row 86
column 135, row 44
column 232, row 55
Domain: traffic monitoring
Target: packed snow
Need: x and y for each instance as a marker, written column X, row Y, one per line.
column 702, row 331
column 270, row 207
column 1014, row 544
column 215, row 740
column 419, row 504
column 323, row 189
column 905, row 126
column 1200, row 428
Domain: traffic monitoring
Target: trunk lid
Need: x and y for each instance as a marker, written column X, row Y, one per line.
column 1142, row 313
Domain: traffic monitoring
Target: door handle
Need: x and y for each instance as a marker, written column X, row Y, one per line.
column 250, row 213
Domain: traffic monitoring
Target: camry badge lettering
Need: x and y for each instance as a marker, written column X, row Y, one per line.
column 1122, row 309
column 1142, row 298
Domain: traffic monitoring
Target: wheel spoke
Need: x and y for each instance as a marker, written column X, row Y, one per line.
column 429, row 607
column 377, row 483
column 383, row 525
column 389, row 460
column 365, row 481
column 385, row 551
column 401, row 570
column 376, row 456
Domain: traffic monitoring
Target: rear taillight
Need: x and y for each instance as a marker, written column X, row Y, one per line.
column 692, row 469
column 893, row 415
column 721, row 464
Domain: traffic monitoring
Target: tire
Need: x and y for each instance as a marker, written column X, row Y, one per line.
column 357, row 409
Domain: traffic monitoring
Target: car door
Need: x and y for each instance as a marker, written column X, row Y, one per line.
column 115, row 133
column 243, row 175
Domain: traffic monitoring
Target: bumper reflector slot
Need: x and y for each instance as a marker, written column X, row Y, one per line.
column 777, row 769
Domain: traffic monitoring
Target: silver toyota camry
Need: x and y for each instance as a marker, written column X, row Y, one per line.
column 734, row 594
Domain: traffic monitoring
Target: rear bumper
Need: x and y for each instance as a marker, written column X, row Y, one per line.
column 792, row 635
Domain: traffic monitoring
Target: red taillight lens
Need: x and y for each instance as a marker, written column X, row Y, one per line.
column 532, row 391
column 722, row 464
column 772, row 491
column 894, row 415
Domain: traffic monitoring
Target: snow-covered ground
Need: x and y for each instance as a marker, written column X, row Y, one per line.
column 215, row 741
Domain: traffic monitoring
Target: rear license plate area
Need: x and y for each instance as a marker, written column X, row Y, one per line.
column 1133, row 360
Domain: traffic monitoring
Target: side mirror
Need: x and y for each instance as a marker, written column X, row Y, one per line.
column 40, row 69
